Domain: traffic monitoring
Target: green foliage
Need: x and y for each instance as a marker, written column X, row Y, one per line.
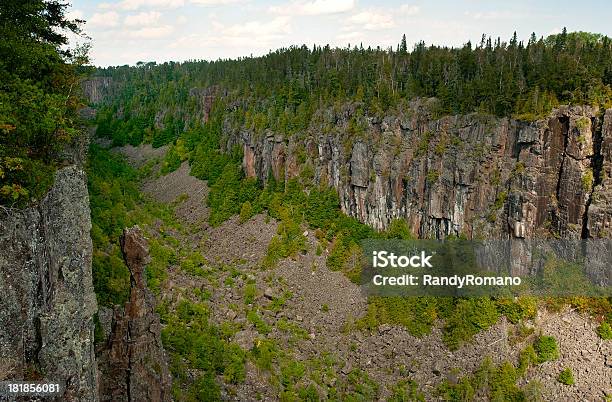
column 469, row 317
column 112, row 195
column 398, row 229
column 291, row 372
column 288, row 241
column 194, row 343
column 174, row 157
column 497, row 383
column 604, row 330
column 523, row 308
column 566, row 376
column 161, row 257
column 115, row 204
column 360, row 387
column 246, row 211
column 587, row 180
column 546, row 348
column 432, row 176
column 38, row 106
column 283, row 90
column 111, row 278
column 417, row 314
column 406, row 391
column 250, row 291
column 264, row 354
column 527, row 358
column 229, row 193
column 254, row 318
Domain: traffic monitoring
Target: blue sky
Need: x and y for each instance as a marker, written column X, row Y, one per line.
column 128, row 31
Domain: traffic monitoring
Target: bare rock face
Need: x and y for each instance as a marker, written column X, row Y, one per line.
column 204, row 98
column 96, row 88
column 471, row 175
column 47, row 301
column 132, row 363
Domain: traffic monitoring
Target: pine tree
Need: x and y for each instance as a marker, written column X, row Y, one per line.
column 403, row 49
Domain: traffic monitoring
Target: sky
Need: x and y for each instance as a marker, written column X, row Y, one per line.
column 128, row 31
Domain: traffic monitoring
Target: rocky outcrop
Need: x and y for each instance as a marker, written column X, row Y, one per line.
column 47, row 300
column 204, row 98
column 132, row 361
column 471, row 175
column 95, row 89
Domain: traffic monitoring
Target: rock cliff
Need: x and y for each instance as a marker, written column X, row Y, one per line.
column 96, row 88
column 132, row 361
column 48, row 302
column 471, row 175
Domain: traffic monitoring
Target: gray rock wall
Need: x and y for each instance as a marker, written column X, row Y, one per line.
column 472, row 175
column 47, row 301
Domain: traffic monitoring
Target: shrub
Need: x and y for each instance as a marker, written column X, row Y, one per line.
column 566, row 377
column 604, row 330
column 246, row 211
column 398, row 229
column 546, row 348
column 260, row 325
column 469, row 317
column 250, row 291
column 406, row 391
column 527, row 358
column 416, row 314
column 174, row 157
column 523, row 308
column 288, row 241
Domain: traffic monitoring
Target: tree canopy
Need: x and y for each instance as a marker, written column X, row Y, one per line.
column 282, row 89
column 39, row 99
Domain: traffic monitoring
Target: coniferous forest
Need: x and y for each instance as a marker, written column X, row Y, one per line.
column 282, row 90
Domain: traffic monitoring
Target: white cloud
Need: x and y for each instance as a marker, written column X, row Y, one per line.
column 136, row 4
column 74, row 14
column 409, row 10
column 215, row 2
column 142, row 19
column 103, row 20
column 493, row 15
column 275, row 27
column 371, row 20
column 315, row 7
column 255, row 34
column 152, row 32
column 350, row 36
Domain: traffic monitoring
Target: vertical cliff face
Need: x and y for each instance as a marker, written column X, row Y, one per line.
column 47, row 299
column 96, row 88
column 471, row 175
column 132, row 361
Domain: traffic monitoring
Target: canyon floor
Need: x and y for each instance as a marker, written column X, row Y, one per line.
column 310, row 309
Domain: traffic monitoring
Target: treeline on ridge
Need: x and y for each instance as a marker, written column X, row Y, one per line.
column 283, row 89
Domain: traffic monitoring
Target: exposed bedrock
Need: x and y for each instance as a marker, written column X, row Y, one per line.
column 132, row 360
column 47, row 301
column 471, row 175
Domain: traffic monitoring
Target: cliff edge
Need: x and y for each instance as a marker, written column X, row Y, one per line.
column 48, row 301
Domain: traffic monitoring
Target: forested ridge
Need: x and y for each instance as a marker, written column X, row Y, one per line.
column 283, row 89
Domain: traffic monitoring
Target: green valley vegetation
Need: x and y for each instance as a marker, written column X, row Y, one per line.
column 116, row 203
column 39, row 96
